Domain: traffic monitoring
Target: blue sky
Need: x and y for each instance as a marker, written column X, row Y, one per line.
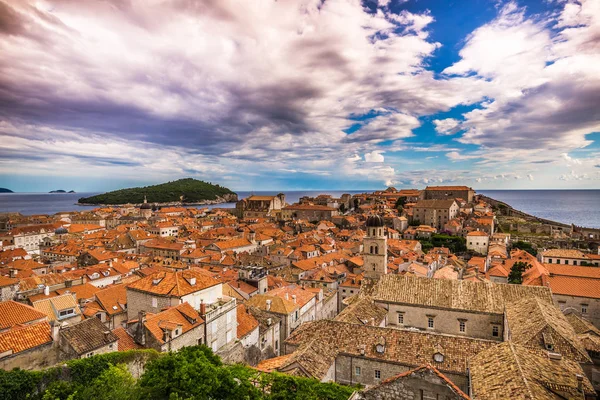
column 305, row 94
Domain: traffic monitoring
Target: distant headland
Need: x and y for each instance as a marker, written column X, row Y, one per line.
column 5, row 190
column 61, row 191
column 186, row 191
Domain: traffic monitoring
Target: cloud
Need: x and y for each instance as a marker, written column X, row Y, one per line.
column 570, row 161
column 530, row 177
column 374, row 157
column 543, row 84
column 446, row 126
column 456, row 156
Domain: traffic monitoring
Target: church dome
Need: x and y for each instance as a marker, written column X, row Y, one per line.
column 375, row 221
column 145, row 206
column 61, row 231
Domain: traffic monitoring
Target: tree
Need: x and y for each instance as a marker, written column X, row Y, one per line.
column 400, row 203
column 516, row 272
column 114, row 383
column 528, row 247
column 342, row 208
column 356, row 203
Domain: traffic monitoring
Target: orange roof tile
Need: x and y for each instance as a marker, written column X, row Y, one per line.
column 13, row 313
column 175, row 284
column 25, row 337
column 246, row 321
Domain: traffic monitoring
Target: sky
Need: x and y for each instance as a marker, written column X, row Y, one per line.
column 300, row 94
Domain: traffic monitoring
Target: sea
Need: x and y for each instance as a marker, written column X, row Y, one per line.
column 579, row 207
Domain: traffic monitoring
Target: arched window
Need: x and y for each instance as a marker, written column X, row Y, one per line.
column 376, row 249
column 371, row 249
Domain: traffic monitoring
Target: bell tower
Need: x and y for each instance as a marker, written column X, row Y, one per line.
column 375, row 248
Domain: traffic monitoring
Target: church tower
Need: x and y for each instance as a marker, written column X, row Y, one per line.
column 375, row 248
column 146, row 209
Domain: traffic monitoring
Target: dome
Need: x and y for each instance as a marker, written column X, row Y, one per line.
column 145, row 206
column 375, row 221
column 61, row 231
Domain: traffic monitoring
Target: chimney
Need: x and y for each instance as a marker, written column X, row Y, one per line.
column 287, row 296
column 202, row 308
column 46, row 290
column 579, row 382
column 268, row 305
column 106, row 336
column 142, row 317
column 294, row 298
column 13, row 273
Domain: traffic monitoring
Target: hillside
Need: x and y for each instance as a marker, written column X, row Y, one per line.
column 185, row 191
column 5, row 190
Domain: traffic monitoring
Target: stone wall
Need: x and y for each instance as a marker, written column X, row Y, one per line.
column 420, row 385
column 37, row 358
column 140, row 301
column 592, row 313
column 478, row 325
column 346, row 373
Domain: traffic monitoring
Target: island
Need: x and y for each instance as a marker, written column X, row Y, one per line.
column 5, row 190
column 58, row 191
column 186, row 191
column 72, row 191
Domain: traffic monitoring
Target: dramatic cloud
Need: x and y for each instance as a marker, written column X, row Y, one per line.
column 266, row 91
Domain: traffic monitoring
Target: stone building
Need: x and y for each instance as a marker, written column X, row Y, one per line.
column 269, row 336
column 194, row 286
column 260, row 206
column 422, row 383
column 456, row 307
column 86, row 338
column 434, row 213
column 375, row 248
column 309, row 212
column 478, row 241
column 449, row 193
column 353, row 354
column 172, row 329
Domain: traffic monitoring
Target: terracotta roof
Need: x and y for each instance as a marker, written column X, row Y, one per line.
column 24, row 337
column 511, row 371
column 126, row 342
column 88, row 335
column 477, row 233
column 183, row 316
column 278, row 304
column 535, row 323
column 448, row 188
column 362, row 311
column 563, row 253
column 246, row 321
column 232, row 244
column 13, row 313
column 588, row 334
column 52, row 306
column 271, row 364
column 85, row 291
column 453, row 294
column 113, row 299
column 303, row 296
column 6, row 281
column 574, row 286
column 174, row 284
column 573, row 270
column 321, row 341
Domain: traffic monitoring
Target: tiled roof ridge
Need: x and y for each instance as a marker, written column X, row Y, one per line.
column 521, row 372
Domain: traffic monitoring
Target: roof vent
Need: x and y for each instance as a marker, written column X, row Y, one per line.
column 156, row 281
column 193, row 280
column 554, row 356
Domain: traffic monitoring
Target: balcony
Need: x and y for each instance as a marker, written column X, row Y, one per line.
column 219, row 307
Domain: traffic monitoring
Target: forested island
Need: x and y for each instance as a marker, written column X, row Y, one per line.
column 182, row 191
column 5, row 190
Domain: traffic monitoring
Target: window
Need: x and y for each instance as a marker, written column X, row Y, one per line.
column 561, row 305
column 549, row 261
column 430, row 322
column 357, row 371
column 462, row 326
column 276, row 344
column 401, row 318
column 495, row 331
column 584, row 308
column 154, row 302
column 377, row 374
column 65, row 313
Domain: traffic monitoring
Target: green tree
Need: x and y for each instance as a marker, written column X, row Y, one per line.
column 516, row 272
column 114, row 383
column 400, row 203
column 528, row 247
